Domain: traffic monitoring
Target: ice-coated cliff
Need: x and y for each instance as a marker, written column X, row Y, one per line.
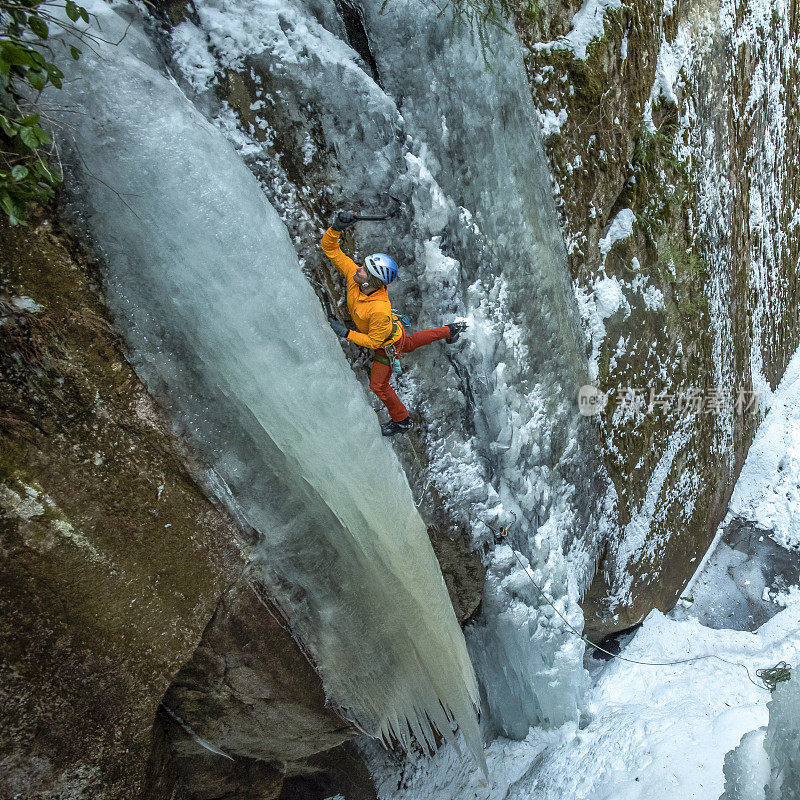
column 416, row 115
column 206, row 287
column 227, row 333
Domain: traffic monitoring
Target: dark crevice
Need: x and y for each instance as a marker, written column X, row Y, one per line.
column 466, row 385
column 353, row 18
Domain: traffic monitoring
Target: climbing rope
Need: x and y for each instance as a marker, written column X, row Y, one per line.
column 775, row 675
column 770, row 676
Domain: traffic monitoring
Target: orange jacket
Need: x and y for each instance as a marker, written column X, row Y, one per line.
column 372, row 313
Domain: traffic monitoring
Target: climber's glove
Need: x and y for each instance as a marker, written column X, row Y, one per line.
column 342, row 220
column 339, row 328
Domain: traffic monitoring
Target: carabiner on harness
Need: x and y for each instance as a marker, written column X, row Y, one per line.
column 391, row 355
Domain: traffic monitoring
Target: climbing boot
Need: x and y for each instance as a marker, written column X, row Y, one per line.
column 391, row 427
column 456, row 328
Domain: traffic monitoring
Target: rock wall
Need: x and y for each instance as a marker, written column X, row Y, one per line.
column 670, row 129
column 112, row 559
column 119, row 575
column 247, row 715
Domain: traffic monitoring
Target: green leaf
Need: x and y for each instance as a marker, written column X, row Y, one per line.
column 72, row 10
column 19, row 172
column 38, row 26
column 55, row 75
column 84, row 13
column 74, row 52
column 33, row 119
column 37, row 79
column 42, row 135
column 29, row 137
column 16, row 55
column 7, row 204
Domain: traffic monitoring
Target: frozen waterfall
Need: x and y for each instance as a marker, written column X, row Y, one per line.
column 205, row 284
column 416, row 115
column 206, row 287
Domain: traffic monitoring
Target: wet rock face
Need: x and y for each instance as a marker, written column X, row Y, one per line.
column 112, row 559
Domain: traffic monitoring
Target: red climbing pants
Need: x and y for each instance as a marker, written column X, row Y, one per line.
column 380, row 374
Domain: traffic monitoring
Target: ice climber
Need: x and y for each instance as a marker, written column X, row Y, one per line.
column 379, row 328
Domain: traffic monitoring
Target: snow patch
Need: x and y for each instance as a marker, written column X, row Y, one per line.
column 190, row 49
column 588, row 24
column 25, row 303
column 621, row 227
column 551, row 122
column 609, row 297
column 768, row 490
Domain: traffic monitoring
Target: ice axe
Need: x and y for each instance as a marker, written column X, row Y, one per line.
column 365, row 217
column 326, row 302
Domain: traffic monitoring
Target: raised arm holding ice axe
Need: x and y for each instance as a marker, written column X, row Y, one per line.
column 378, row 327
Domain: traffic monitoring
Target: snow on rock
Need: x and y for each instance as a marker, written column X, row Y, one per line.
column 25, row 303
column 191, row 51
column 588, row 24
column 652, row 297
column 768, row 489
column 604, row 300
column 671, row 57
column 621, row 227
column 609, row 297
column 635, row 544
column 551, row 122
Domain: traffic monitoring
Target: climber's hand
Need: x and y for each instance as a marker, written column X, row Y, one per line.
column 342, row 220
column 339, row 328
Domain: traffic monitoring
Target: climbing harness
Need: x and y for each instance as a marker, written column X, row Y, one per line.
column 391, row 359
column 770, row 676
